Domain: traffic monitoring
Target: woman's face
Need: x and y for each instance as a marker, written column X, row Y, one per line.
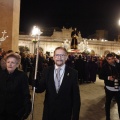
column 11, row 64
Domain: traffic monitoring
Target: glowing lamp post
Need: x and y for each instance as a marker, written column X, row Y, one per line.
column 36, row 34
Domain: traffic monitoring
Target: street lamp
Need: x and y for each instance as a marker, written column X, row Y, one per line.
column 36, row 34
column 3, row 38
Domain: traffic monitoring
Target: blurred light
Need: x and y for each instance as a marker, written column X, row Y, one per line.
column 119, row 22
column 89, row 50
column 36, row 31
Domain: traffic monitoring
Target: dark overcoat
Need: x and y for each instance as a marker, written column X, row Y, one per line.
column 14, row 94
column 64, row 105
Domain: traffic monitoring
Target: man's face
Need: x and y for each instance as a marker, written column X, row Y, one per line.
column 60, row 57
column 110, row 60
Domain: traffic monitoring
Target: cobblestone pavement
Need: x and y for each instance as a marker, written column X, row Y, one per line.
column 92, row 103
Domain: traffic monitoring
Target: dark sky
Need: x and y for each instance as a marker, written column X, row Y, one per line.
column 86, row 15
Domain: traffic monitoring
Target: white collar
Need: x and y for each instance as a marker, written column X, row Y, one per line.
column 62, row 67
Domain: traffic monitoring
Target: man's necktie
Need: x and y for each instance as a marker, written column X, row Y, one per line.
column 57, row 81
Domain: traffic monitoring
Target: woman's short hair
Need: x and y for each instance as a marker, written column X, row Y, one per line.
column 14, row 55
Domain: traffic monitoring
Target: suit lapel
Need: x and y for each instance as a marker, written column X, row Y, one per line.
column 51, row 77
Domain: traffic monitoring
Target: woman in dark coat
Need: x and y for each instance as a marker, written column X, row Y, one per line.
column 15, row 103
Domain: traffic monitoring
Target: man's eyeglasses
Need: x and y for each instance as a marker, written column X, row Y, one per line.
column 60, row 55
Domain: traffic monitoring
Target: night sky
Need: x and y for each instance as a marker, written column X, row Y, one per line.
column 86, row 15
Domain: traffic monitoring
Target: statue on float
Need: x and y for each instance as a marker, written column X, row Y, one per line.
column 74, row 36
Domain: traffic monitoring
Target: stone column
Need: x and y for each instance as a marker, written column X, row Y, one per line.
column 9, row 21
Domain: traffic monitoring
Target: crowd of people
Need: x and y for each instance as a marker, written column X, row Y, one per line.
column 17, row 73
column 87, row 66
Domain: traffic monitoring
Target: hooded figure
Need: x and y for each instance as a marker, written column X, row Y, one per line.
column 74, row 41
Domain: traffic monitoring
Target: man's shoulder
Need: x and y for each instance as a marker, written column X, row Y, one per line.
column 71, row 69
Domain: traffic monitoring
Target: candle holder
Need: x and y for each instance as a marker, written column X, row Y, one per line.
column 36, row 32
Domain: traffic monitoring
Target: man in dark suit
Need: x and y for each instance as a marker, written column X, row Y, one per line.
column 63, row 102
column 110, row 73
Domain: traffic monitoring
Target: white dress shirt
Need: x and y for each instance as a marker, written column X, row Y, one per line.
column 62, row 71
